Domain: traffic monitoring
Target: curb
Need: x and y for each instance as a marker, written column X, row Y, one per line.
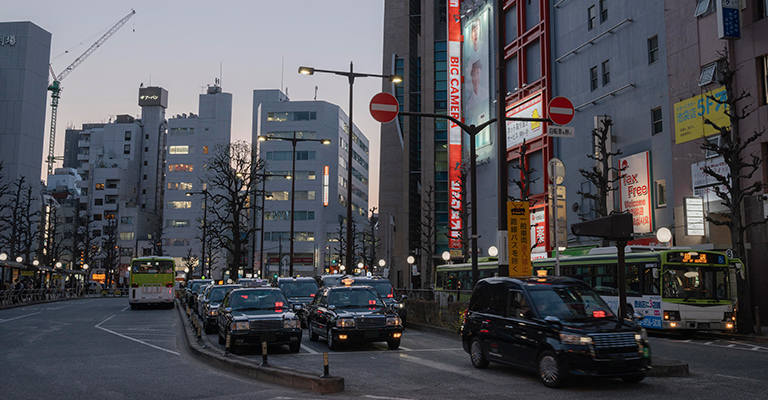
column 280, row 375
column 660, row 367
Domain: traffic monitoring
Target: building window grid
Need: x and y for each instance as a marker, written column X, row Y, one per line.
column 603, row 11
column 653, row 49
column 657, row 125
column 606, row 67
column 591, row 18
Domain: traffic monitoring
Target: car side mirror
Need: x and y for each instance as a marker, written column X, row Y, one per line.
column 228, row 309
column 552, row 320
column 331, row 307
column 296, row 307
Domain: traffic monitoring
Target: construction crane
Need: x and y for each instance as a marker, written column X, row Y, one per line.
column 55, row 86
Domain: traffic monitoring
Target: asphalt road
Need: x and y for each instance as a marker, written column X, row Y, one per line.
column 99, row 348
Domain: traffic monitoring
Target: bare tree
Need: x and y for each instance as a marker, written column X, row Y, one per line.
column 741, row 169
column 341, row 244
column 525, row 181
column 370, row 241
column 109, row 250
column 19, row 220
column 232, row 170
column 53, row 244
column 428, row 233
column 191, row 261
column 603, row 175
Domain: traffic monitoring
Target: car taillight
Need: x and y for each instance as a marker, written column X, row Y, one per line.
column 169, row 285
column 464, row 318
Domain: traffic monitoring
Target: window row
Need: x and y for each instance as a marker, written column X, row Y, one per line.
column 286, row 216
column 290, row 134
column 286, row 236
column 182, row 131
column 286, row 155
column 286, row 195
column 291, row 116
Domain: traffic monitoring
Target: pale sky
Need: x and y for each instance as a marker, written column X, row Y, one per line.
column 183, row 45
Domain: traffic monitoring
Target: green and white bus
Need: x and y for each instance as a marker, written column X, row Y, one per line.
column 673, row 289
column 152, row 280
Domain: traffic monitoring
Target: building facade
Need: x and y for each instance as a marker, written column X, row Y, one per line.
column 320, row 197
column 192, row 139
column 25, row 50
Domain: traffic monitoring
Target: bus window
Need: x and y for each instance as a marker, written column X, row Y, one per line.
column 651, row 279
column 604, row 280
column 633, row 281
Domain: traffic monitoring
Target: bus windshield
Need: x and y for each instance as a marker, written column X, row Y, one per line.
column 152, row 267
column 688, row 282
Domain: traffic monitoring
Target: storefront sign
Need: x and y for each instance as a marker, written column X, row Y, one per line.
column 9, row 40
column 517, row 131
column 694, row 216
column 704, row 184
column 518, row 238
column 690, row 115
column 728, row 23
column 326, row 180
column 636, row 190
column 454, row 131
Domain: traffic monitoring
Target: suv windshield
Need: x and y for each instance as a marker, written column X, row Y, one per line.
column 354, row 298
column 299, row 288
column 569, row 303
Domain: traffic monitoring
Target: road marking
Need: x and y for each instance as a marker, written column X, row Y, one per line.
column 370, row 396
column 384, row 350
column 738, row 377
column 405, row 348
column 308, row 349
column 130, row 338
column 23, row 316
column 126, row 307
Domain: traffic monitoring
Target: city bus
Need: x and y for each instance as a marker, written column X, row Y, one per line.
column 672, row 288
column 453, row 282
column 151, row 280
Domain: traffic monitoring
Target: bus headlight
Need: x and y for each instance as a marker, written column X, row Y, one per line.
column 241, row 326
column 672, row 315
column 728, row 316
column 291, row 324
column 569, row 338
column 394, row 321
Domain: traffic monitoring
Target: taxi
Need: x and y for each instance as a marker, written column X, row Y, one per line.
column 345, row 314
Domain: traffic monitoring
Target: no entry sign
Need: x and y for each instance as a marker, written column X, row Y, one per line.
column 561, row 110
column 384, row 107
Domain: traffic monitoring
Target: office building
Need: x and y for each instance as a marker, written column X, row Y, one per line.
column 192, row 140
column 320, row 183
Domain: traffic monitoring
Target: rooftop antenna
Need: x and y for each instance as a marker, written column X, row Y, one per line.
column 315, row 93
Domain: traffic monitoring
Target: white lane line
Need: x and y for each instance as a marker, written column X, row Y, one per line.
column 308, row 349
column 130, row 338
column 370, row 396
column 126, row 307
column 23, row 316
column 405, row 348
column 738, row 377
column 384, row 350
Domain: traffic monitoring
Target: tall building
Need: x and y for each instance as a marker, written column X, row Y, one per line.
column 122, row 165
column 695, row 65
column 25, row 50
column 320, row 183
column 192, row 139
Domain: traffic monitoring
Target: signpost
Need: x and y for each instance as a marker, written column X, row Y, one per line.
column 384, row 107
column 556, row 172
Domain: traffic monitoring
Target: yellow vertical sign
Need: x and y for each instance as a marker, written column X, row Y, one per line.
column 518, row 238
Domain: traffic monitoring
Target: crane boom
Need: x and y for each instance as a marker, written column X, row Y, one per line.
column 55, row 86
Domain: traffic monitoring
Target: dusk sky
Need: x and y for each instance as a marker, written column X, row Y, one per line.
column 183, row 46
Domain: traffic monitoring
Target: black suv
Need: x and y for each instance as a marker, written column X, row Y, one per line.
column 557, row 327
column 386, row 292
column 255, row 315
column 299, row 291
column 352, row 314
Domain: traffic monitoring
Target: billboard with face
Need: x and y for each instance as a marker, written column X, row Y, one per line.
column 476, row 68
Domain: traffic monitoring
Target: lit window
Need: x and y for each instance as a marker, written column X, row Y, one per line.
column 180, row 167
column 178, row 204
column 178, row 150
column 205, row 149
column 99, row 186
column 126, row 235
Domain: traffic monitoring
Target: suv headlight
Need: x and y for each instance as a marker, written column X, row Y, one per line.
column 642, row 335
column 570, row 338
column 212, row 313
column 394, row 321
column 345, row 323
column 241, row 326
column 291, row 324
column 400, row 305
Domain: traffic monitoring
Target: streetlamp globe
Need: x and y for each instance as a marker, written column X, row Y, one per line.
column 85, row 266
column 341, row 267
column 186, row 270
column 19, row 259
column 446, row 255
column 663, row 235
column 3, row 256
column 35, row 263
column 382, row 263
column 360, row 265
column 493, row 251
column 58, row 264
column 410, row 260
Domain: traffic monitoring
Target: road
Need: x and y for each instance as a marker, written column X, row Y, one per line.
column 99, row 348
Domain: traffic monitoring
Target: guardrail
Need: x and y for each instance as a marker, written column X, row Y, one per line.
column 32, row 296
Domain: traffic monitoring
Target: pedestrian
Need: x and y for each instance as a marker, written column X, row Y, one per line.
column 17, row 288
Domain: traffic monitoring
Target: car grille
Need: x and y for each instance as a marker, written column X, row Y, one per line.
column 614, row 342
column 370, row 322
column 266, row 325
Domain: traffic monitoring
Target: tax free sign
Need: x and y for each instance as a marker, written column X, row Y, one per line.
column 636, row 190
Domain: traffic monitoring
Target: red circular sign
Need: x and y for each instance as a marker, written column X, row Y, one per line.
column 384, row 107
column 561, row 110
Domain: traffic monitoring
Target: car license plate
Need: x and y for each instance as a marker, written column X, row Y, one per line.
column 371, row 334
column 268, row 337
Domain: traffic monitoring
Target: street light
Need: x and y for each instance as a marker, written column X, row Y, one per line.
column 351, row 75
column 205, row 225
column 447, row 257
column 294, row 140
column 85, row 277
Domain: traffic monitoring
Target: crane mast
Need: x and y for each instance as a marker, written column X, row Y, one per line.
column 55, row 86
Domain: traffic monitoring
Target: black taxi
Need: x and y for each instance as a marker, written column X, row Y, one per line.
column 344, row 314
column 557, row 327
column 255, row 315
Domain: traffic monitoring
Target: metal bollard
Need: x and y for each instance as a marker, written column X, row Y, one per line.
column 325, row 374
column 199, row 333
column 264, row 353
column 757, row 321
column 226, row 346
